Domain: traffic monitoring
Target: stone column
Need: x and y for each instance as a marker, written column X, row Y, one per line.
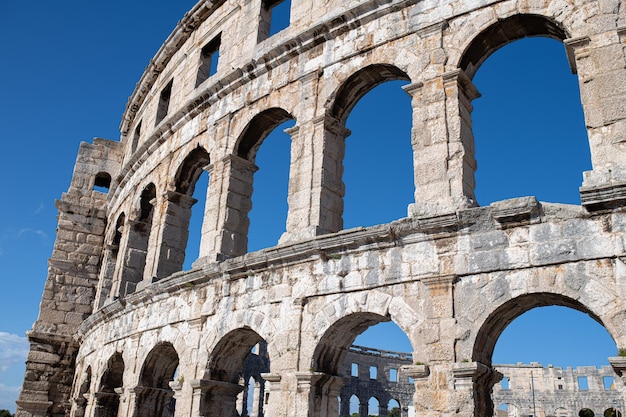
column 316, row 187
column 443, row 144
column 272, row 396
column 215, row 398
column 599, row 62
column 133, row 249
column 107, row 272
column 171, row 234
column 317, row 394
column 153, row 402
column 473, row 382
column 225, row 226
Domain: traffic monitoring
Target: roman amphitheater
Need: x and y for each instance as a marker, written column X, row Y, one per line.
column 124, row 331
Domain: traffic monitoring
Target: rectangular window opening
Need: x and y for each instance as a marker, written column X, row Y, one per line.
column 609, row 383
column 209, row 57
column 373, row 372
column 136, row 136
column 275, row 16
column 164, row 102
column 355, row 370
column 505, row 383
column 393, row 375
column 583, row 384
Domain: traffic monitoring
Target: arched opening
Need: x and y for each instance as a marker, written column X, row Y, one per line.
column 136, row 250
column 154, row 396
column 267, row 221
column 393, row 408
column 529, row 130
column 381, row 137
column 378, row 163
column 355, row 405
column 528, row 341
column 110, row 262
column 271, row 186
column 108, row 395
column 373, row 407
column 102, row 182
column 233, row 383
column 346, row 366
column 185, row 211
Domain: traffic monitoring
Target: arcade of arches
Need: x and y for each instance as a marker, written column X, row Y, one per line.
column 124, row 331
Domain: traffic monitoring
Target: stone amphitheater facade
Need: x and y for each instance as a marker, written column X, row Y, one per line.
column 123, row 331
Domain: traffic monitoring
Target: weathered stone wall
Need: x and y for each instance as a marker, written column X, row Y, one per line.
column 452, row 275
column 553, row 391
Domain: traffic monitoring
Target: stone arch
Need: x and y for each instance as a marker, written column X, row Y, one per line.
column 138, row 236
column 102, row 181
column 110, row 261
column 345, row 317
column 257, row 130
column 167, row 253
column 222, row 381
column 499, row 318
column 154, row 397
column 332, row 346
column 504, row 31
column 190, row 170
column 493, row 323
column 108, row 394
column 357, row 85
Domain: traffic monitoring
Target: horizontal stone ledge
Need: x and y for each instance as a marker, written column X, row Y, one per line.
column 603, row 197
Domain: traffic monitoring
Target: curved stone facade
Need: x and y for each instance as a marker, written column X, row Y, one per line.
column 122, row 331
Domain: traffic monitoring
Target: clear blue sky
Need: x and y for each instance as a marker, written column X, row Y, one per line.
column 68, row 68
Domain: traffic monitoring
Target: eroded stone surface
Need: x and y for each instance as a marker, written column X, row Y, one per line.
column 123, row 332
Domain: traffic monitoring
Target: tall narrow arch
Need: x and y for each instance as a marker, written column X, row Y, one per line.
column 154, row 396
column 229, row 370
column 108, row 395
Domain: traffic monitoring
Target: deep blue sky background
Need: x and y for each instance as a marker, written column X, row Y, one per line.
column 69, row 66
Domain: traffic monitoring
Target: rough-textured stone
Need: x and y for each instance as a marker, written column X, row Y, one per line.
column 451, row 276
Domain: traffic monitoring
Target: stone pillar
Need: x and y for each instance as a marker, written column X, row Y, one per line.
column 133, row 250
column 443, row 144
column 599, row 62
column 345, row 406
column 214, row 398
column 316, row 187
column 171, row 234
column 317, row 394
column 107, row 272
column 473, row 382
column 153, row 402
column 225, row 226
column 272, row 396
